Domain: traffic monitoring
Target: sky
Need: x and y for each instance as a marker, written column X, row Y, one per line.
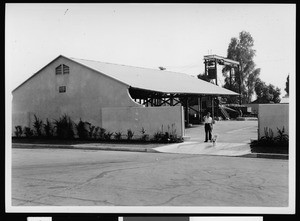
column 174, row 36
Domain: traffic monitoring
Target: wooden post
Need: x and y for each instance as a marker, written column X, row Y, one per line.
column 201, row 117
column 216, row 71
column 212, row 107
column 230, row 76
column 199, row 109
column 187, row 111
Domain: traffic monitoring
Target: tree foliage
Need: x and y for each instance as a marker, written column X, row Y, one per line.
column 204, row 77
column 244, row 78
column 266, row 93
column 287, row 85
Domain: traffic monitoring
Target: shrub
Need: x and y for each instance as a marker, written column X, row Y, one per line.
column 91, row 131
column 38, row 126
column 28, row 132
column 107, row 135
column 282, row 139
column 130, row 134
column 167, row 137
column 159, row 136
column 144, row 136
column 95, row 133
column 18, row 131
column 268, row 140
column 82, row 131
column 48, row 129
column 118, row 135
column 102, row 133
column 64, row 127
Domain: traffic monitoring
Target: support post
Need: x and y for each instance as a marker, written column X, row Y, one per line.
column 201, row 116
column 171, row 100
column 216, row 71
column 199, row 109
column 230, row 77
column 187, row 111
column 212, row 107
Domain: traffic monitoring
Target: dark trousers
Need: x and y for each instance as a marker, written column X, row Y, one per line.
column 207, row 132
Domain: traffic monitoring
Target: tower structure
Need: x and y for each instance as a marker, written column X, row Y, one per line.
column 212, row 61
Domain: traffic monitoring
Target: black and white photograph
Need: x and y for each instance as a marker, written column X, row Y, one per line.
column 150, row 108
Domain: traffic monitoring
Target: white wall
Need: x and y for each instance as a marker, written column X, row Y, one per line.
column 87, row 92
column 120, row 119
column 273, row 116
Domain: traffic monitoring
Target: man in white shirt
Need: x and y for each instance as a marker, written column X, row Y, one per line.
column 208, row 126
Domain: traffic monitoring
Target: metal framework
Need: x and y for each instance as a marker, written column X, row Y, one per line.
column 211, row 62
column 154, row 99
column 150, row 98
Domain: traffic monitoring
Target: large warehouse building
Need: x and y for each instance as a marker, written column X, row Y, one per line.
column 111, row 96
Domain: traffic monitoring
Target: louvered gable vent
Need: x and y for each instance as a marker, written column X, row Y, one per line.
column 66, row 69
column 58, row 70
column 62, row 69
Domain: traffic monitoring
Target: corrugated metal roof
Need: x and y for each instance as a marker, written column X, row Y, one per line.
column 155, row 80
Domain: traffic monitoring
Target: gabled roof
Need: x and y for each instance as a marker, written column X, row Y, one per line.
column 155, row 80
column 150, row 79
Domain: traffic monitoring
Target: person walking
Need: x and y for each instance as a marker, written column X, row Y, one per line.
column 208, row 127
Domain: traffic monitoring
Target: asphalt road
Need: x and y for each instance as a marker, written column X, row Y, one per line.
column 61, row 177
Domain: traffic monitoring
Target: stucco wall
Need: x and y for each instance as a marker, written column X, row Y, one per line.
column 86, row 93
column 273, row 116
column 151, row 119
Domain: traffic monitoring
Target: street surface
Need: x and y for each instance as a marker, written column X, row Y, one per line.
column 62, row 177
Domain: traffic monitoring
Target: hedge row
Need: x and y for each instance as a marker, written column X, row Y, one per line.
column 65, row 128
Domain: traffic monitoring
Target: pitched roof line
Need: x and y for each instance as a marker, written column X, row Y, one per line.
column 132, row 66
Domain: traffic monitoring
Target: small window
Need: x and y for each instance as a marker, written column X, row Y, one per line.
column 66, row 69
column 62, row 89
column 58, row 70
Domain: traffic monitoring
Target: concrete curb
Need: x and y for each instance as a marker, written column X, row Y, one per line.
column 87, row 147
column 132, row 149
column 267, row 155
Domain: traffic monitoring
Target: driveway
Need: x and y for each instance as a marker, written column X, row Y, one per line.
column 233, row 139
column 65, row 177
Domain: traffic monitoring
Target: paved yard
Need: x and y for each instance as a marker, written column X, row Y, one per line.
column 45, row 177
column 233, row 139
column 227, row 131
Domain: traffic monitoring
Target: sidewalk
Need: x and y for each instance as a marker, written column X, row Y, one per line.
column 92, row 146
column 233, row 140
column 192, row 147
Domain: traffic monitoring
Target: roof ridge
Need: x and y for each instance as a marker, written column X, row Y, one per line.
column 133, row 66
